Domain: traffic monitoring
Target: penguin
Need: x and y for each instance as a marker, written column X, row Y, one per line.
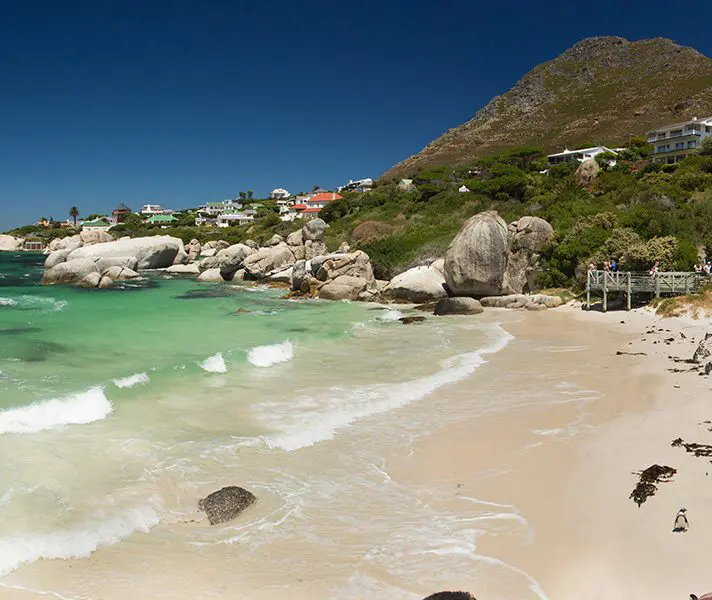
column 681, row 522
column 705, row 597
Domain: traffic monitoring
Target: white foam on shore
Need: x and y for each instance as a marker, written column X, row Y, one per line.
column 315, row 419
column 390, row 315
column 214, row 364
column 77, row 409
column 266, row 356
column 8, row 302
column 80, row 542
column 131, row 380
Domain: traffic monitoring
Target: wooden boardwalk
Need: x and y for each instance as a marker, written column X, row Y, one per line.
column 673, row 283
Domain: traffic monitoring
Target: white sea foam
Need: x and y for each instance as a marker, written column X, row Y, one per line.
column 390, row 315
column 74, row 543
column 314, row 419
column 266, row 356
column 8, row 302
column 214, row 364
column 131, row 380
column 34, row 302
column 76, row 409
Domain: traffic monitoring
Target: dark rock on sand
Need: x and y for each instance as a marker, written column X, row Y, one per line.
column 647, row 479
column 458, row 306
column 451, row 596
column 226, row 504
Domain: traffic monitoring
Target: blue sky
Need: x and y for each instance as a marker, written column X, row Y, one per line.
column 181, row 102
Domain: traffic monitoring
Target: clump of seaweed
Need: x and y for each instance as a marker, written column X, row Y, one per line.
column 646, row 482
column 692, row 447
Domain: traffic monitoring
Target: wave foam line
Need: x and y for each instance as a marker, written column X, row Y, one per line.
column 214, row 364
column 266, row 356
column 77, row 409
column 75, row 543
column 131, row 380
column 316, row 419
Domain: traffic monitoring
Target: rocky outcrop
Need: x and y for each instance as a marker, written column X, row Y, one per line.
column 9, row 243
column 150, row 252
column 213, row 247
column 211, row 275
column 587, row 172
column 331, row 266
column 95, row 237
column 295, row 238
column 458, row 306
column 314, row 230
column 226, row 504
column 70, row 243
column 266, row 260
column 71, row 271
column 119, row 273
column 193, row 250
column 489, row 258
column 528, row 301
column 126, row 262
column 420, row 284
column 274, row 240
column 299, row 276
column 55, row 258
column 343, row 287
column 189, row 269
column 476, row 260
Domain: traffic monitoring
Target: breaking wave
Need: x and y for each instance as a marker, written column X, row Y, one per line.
column 80, row 542
column 214, row 364
column 77, row 409
column 131, row 380
column 266, row 356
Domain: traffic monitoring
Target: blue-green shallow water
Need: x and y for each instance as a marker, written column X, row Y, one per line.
column 61, row 340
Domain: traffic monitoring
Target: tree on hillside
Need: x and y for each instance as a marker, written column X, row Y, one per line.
column 74, row 213
column 706, row 147
column 249, row 194
column 242, row 196
column 315, row 188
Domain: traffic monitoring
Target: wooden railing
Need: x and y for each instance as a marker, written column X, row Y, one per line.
column 668, row 282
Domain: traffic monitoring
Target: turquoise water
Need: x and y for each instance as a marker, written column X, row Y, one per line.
column 61, row 340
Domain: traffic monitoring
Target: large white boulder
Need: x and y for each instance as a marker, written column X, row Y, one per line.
column 150, row 252
column 344, row 287
column 55, row 258
column 314, row 230
column 71, row 271
column 420, row 284
column 355, row 264
column 458, row 306
column 266, row 260
column 95, row 236
column 211, row 275
column 70, row 243
column 189, row 269
column 9, row 243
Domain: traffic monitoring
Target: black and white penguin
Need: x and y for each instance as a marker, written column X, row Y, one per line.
column 681, row 522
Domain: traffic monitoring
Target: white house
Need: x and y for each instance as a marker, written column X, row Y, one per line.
column 279, row 194
column 579, row 155
column 213, row 209
column 149, row 210
column 359, row 185
column 227, row 219
column 674, row 143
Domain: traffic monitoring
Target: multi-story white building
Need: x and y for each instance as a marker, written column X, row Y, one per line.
column 213, row 209
column 227, row 219
column 279, row 194
column 359, row 185
column 149, row 210
column 578, row 155
column 674, row 143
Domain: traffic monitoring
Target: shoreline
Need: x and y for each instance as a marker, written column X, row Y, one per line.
column 557, row 475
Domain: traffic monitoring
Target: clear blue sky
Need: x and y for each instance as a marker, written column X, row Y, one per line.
column 181, row 102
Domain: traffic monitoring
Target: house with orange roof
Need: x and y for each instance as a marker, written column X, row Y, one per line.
column 311, row 207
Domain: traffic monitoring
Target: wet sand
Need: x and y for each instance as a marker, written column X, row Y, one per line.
column 530, row 500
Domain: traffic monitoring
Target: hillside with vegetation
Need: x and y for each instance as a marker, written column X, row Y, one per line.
column 600, row 91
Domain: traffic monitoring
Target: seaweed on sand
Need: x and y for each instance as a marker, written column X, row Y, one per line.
column 692, row 447
column 646, row 482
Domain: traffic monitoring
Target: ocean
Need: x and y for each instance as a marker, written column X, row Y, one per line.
column 121, row 408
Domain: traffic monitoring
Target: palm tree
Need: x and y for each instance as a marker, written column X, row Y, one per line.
column 74, row 213
column 249, row 194
column 242, row 195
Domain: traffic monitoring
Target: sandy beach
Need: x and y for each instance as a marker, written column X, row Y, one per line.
column 530, row 500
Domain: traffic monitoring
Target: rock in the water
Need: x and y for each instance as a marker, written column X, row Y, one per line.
column 356, row 264
column 9, row 243
column 212, row 275
column 91, row 280
column 181, row 258
column 193, row 250
column 587, row 172
column 125, row 262
column 314, row 230
column 95, row 237
column 299, row 273
column 458, row 306
column 409, row 320
column 55, row 258
column 106, row 282
column 476, row 261
column 420, row 284
column 281, row 276
column 150, row 252
column 343, row 287
column 232, row 258
column 226, row 504
column 71, row 271
column 189, row 269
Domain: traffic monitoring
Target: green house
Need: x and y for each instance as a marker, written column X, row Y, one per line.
column 161, row 220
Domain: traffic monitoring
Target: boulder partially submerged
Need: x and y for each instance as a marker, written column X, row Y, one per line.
column 9, row 243
column 419, row 284
column 226, row 504
column 458, row 306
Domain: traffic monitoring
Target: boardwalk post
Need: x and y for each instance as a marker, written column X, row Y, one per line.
column 605, row 293
column 629, row 293
column 657, row 285
column 588, row 291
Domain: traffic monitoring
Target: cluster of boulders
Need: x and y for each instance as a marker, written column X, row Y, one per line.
column 488, row 260
column 94, row 259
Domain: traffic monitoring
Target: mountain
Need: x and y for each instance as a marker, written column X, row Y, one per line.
column 598, row 92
